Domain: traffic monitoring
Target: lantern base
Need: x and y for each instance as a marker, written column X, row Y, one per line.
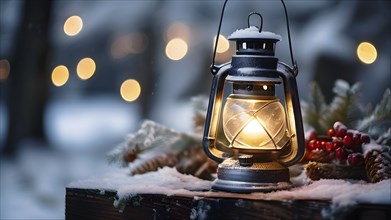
column 258, row 177
column 244, row 187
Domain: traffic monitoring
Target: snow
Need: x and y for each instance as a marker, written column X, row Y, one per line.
column 33, row 183
column 371, row 146
column 89, row 123
column 168, row 181
column 253, row 32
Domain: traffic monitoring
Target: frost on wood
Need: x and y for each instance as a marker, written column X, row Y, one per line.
column 168, row 181
column 155, row 146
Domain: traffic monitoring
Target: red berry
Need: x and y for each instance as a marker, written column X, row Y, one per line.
column 355, row 159
column 337, row 125
column 329, row 146
column 348, row 141
column 312, row 135
column 337, row 144
column 331, row 132
column 357, row 135
column 323, row 144
column 311, row 144
column 365, row 138
column 318, row 144
column 340, row 129
column 341, row 154
column 341, row 132
column 350, row 133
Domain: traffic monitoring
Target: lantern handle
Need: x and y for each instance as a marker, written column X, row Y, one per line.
column 215, row 69
column 260, row 16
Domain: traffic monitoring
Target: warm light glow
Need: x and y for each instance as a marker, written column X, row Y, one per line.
column 366, row 52
column 176, row 49
column 130, row 90
column 60, row 75
column 178, row 30
column 86, row 68
column 128, row 44
column 5, row 69
column 253, row 129
column 223, row 44
column 264, row 87
column 254, row 124
column 73, row 25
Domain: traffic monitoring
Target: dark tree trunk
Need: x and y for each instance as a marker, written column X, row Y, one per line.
column 28, row 83
column 149, row 72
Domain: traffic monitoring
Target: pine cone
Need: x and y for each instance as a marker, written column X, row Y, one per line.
column 317, row 171
column 378, row 164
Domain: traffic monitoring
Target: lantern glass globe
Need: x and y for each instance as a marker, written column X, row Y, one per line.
column 254, row 123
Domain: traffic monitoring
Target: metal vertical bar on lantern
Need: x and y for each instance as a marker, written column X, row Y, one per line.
column 253, row 137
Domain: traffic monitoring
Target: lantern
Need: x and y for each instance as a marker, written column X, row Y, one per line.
column 255, row 136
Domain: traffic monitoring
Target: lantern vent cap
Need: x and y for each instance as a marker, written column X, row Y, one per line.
column 252, row 33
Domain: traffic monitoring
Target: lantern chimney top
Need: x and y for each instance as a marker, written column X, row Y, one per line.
column 251, row 41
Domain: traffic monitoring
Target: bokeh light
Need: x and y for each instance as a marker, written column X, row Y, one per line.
column 130, row 90
column 366, row 52
column 73, row 25
column 176, row 49
column 60, row 75
column 5, row 69
column 86, row 68
column 223, row 44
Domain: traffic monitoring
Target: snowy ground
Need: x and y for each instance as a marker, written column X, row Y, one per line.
column 33, row 184
column 80, row 133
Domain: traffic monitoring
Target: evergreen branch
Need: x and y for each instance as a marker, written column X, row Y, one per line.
column 344, row 106
column 150, row 137
column 314, row 108
column 379, row 121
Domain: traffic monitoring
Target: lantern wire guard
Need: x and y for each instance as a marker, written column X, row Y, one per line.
column 261, row 139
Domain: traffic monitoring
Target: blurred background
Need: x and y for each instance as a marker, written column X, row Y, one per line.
column 77, row 76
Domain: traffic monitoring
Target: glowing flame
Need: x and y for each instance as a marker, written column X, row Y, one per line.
column 86, row 68
column 130, row 90
column 73, row 25
column 176, row 49
column 366, row 52
column 60, row 75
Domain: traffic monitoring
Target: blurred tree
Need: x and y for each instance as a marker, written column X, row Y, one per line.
column 28, row 83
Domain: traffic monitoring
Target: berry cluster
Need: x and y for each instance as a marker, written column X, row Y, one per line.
column 340, row 146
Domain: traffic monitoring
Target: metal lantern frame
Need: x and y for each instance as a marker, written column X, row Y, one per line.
column 248, row 170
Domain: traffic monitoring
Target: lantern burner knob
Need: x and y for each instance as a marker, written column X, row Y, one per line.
column 246, row 160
